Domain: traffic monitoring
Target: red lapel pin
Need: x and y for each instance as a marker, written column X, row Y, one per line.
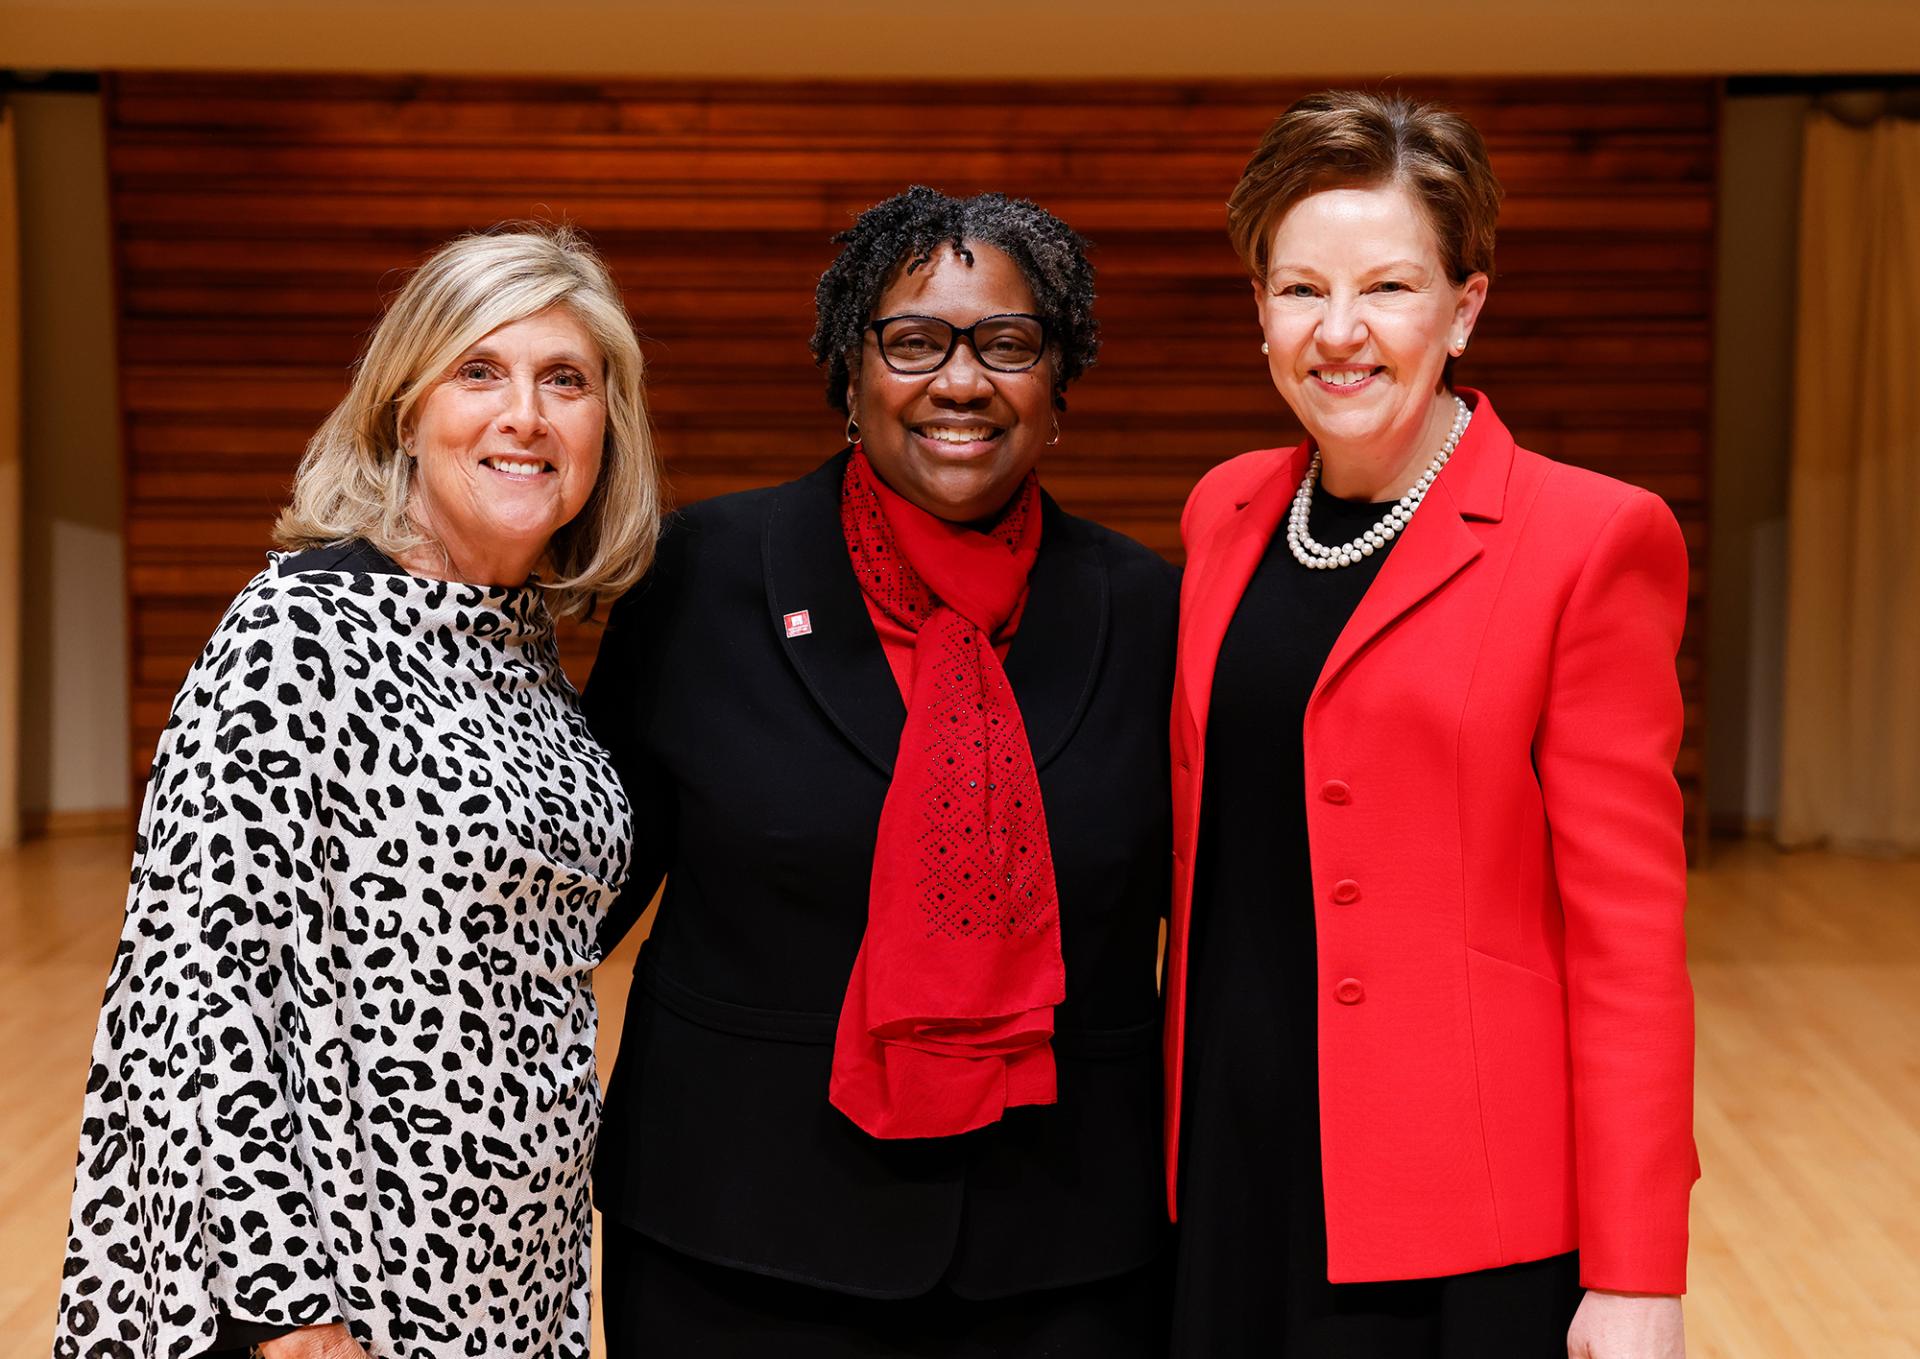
column 798, row 624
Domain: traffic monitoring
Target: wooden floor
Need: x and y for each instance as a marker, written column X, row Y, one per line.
column 1806, row 1228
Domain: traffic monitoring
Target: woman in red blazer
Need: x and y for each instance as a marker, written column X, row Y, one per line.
column 1430, row 1033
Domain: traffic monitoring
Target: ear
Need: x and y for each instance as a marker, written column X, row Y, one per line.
column 1466, row 310
column 853, row 391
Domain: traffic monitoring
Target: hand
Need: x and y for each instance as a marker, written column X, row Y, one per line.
column 1627, row 1326
column 333, row 1341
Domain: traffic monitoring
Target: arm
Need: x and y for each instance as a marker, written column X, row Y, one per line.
column 270, row 1101
column 618, row 701
column 313, row 1342
column 1605, row 750
column 192, row 1203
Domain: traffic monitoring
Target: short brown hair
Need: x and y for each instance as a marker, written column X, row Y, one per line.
column 1348, row 139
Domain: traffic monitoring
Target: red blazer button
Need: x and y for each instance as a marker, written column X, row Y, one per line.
column 1346, row 891
column 1350, row 992
column 1334, row 790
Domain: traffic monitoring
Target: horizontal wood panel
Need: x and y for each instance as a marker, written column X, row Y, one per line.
column 261, row 222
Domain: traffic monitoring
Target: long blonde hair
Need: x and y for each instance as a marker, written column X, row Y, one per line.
column 355, row 478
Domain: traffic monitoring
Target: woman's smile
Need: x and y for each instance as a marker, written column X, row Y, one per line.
column 519, row 469
column 1344, row 381
column 961, row 441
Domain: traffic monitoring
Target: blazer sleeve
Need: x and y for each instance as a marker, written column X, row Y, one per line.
column 619, row 704
column 1605, row 751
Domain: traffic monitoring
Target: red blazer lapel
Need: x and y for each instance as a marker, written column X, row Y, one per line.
column 1219, row 564
column 1437, row 544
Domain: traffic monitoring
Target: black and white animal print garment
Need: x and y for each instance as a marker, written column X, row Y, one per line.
column 345, row 1065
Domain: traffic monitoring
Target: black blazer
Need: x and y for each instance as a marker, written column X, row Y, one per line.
column 757, row 764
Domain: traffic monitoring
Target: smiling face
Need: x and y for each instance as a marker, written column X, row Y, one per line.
column 1360, row 316
column 957, row 442
column 508, row 443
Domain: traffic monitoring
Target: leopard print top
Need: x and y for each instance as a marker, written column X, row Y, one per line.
column 345, row 1064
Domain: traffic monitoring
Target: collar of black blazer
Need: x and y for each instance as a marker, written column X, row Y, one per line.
column 1053, row 664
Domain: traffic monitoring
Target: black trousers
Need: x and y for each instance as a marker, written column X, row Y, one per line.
column 659, row 1304
column 1514, row 1312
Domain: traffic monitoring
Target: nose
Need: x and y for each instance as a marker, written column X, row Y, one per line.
column 520, row 411
column 1342, row 327
column 963, row 380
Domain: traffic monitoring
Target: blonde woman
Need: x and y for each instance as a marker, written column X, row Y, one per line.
column 342, row 1096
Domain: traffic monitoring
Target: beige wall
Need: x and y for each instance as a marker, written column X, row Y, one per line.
column 1753, row 410
column 73, row 754
column 10, row 492
column 1048, row 38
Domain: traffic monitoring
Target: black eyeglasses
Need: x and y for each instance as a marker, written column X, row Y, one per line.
column 1009, row 343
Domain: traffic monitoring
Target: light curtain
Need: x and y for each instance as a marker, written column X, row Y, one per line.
column 10, row 491
column 1850, row 749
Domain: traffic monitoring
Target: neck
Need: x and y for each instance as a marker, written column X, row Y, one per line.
column 1387, row 468
column 450, row 557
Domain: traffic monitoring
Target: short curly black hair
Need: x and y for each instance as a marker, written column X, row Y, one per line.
column 910, row 228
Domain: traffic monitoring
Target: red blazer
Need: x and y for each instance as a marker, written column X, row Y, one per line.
column 1506, row 1024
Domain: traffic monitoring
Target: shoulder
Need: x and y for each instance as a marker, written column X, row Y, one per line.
column 354, row 557
column 735, row 512
column 1134, row 570
column 721, row 526
column 1230, row 484
column 252, row 651
column 1581, row 510
column 716, row 547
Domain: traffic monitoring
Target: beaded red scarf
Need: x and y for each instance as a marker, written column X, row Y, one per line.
column 948, row 1018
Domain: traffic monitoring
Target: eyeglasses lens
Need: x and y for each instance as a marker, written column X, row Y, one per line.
column 1008, row 344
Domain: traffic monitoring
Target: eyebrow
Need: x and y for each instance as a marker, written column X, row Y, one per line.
column 1390, row 267
column 488, row 352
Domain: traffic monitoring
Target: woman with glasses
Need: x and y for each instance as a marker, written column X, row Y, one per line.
column 895, row 737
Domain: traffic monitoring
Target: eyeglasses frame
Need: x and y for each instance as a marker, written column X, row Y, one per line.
column 879, row 325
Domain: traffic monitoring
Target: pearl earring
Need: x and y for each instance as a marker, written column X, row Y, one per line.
column 1265, row 348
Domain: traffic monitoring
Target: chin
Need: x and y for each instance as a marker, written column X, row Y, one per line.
column 521, row 533
column 953, row 497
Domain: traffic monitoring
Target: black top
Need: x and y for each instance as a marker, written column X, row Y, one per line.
column 1252, row 1261
column 757, row 763
column 355, row 557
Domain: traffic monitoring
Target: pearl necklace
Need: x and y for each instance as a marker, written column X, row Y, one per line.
column 1320, row 557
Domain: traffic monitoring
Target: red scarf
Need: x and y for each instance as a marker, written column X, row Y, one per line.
column 949, row 1012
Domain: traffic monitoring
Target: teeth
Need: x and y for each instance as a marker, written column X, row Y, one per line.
column 946, row 435
column 517, row 467
column 1345, row 377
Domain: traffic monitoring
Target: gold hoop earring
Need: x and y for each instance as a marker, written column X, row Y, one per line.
column 1056, row 432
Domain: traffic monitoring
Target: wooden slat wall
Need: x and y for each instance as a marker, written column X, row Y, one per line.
column 259, row 222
